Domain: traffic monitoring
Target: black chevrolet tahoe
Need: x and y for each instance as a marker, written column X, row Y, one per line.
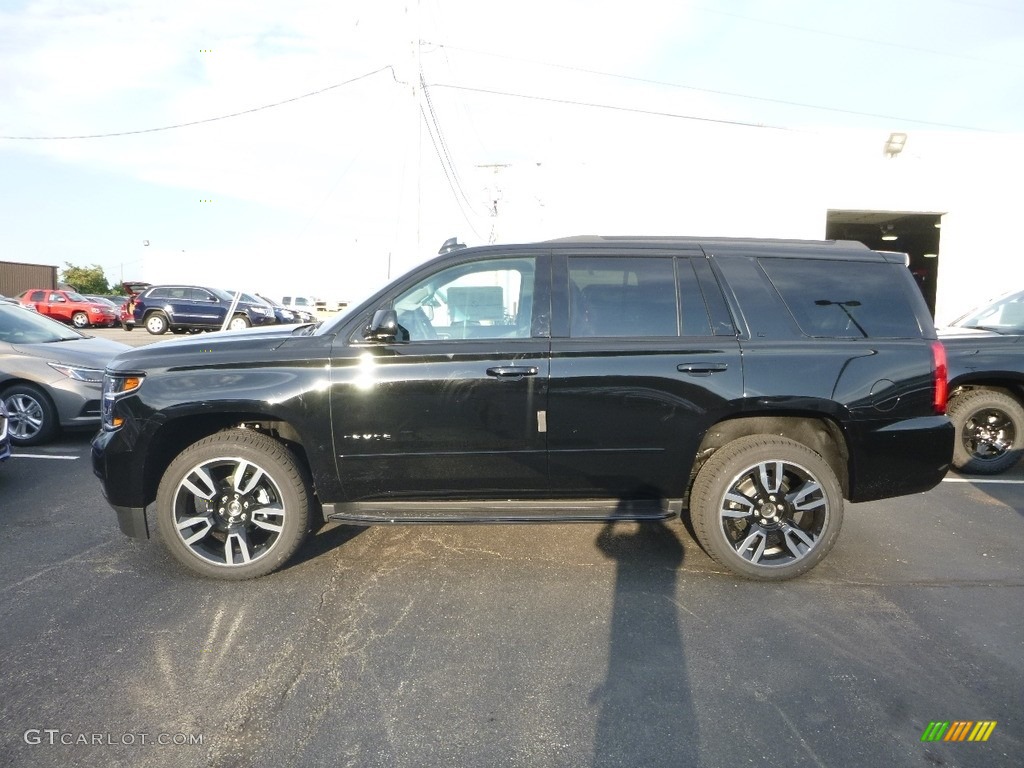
column 751, row 384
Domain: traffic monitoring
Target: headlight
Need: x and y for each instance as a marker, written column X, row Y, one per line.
column 91, row 375
column 114, row 387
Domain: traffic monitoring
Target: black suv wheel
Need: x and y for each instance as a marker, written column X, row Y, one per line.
column 989, row 431
column 766, row 507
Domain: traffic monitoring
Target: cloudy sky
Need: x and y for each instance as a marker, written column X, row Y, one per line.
column 316, row 147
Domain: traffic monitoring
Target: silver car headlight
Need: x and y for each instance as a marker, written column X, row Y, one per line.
column 90, row 375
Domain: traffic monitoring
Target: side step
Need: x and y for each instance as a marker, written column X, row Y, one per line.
column 490, row 511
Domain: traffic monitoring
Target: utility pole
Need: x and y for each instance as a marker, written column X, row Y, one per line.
column 494, row 197
column 416, row 101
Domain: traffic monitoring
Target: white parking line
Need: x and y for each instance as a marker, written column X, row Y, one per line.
column 43, row 456
column 968, row 480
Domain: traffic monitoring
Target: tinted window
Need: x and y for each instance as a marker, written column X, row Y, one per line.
column 481, row 300
column 622, row 296
column 157, row 293
column 842, row 299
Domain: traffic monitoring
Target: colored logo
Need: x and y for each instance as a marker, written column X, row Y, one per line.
column 958, row 730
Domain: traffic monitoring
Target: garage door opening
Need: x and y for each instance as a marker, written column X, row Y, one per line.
column 916, row 234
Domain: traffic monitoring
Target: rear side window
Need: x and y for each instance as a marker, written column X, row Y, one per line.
column 844, row 299
column 633, row 297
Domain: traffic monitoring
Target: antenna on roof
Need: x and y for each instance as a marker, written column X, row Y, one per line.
column 449, row 245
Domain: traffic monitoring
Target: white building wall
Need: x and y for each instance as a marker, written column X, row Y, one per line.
column 737, row 182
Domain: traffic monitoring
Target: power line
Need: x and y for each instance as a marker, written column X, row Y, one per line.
column 614, row 107
column 854, row 38
column 209, row 119
column 733, row 94
column 441, row 140
column 447, row 175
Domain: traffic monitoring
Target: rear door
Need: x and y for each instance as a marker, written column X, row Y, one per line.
column 639, row 369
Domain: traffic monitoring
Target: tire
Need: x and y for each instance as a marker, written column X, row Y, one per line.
column 127, row 326
column 32, row 415
column 989, row 431
column 80, row 320
column 234, row 505
column 766, row 507
column 156, row 324
column 239, row 323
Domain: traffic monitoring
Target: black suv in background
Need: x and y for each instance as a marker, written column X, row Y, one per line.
column 755, row 384
column 985, row 348
column 183, row 308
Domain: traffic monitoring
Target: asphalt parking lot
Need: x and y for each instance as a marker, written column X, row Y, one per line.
column 508, row 645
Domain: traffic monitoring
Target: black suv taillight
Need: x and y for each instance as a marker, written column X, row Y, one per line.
column 941, row 375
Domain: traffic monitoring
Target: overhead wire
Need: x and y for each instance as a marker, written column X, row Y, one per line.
column 441, row 139
column 447, row 174
column 208, row 119
column 683, row 86
column 614, row 107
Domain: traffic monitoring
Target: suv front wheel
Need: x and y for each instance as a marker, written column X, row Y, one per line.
column 234, row 505
column 766, row 507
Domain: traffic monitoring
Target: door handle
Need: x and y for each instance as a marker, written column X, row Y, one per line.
column 512, row 371
column 702, row 369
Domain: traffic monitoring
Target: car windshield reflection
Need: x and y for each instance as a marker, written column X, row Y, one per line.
column 21, row 326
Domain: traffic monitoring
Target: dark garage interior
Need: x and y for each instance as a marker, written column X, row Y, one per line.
column 916, row 234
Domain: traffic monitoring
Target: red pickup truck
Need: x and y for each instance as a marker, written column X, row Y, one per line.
column 69, row 307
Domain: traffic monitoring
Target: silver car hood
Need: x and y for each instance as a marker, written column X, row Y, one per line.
column 89, row 352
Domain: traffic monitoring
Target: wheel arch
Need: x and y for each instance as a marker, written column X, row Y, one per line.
column 1012, row 385
column 175, row 436
column 820, row 433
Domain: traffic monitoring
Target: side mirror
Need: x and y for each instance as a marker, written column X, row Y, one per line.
column 384, row 327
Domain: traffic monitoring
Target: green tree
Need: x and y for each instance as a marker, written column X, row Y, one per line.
column 85, row 279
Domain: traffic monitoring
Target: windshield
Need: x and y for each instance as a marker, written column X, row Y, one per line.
column 1005, row 315
column 22, row 326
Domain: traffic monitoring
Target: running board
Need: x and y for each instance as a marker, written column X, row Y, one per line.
column 505, row 512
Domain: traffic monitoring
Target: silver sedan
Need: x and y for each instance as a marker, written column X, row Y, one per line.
column 50, row 375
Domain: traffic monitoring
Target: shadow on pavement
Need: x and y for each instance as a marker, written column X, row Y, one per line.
column 646, row 710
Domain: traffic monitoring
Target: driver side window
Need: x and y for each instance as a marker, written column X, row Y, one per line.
column 490, row 299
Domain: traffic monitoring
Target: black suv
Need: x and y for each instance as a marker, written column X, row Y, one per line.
column 182, row 308
column 754, row 383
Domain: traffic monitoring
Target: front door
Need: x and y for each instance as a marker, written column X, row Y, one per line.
column 457, row 409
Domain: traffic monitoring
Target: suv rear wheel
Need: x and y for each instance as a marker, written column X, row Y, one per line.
column 156, row 324
column 234, row 505
column 766, row 507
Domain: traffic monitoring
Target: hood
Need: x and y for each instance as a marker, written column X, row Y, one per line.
column 211, row 348
column 88, row 352
column 961, row 332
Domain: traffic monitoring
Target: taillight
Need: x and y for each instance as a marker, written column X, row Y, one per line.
column 941, row 377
